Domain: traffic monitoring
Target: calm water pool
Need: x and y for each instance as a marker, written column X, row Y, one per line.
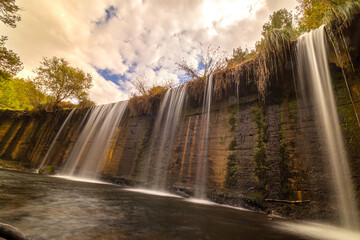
column 54, row 208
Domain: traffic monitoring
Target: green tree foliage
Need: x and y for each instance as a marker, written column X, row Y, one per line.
column 239, row 55
column 10, row 63
column 314, row 13
column 272, row 50
column 279, row 19
column 20, row 94
column 85, row 102
column 8, row 12
column 277, row 34
column 58, row 79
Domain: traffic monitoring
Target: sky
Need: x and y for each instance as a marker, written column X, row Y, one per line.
column 118, row 41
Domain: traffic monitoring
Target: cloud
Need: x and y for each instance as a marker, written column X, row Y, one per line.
column 130, row 38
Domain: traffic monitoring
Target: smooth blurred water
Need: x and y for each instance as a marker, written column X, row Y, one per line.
column 54, row 208
column 89, row 154
column 65, row 123
column 315, row 87
column 202, row 165
column 156, row 165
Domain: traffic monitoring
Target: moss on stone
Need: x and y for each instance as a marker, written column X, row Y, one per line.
column 143, row 146
column 284, row 155
column 260, row 148
column 257, row 197
column 232, row 169
column 292, row 104
column 50, row 170
column 233, row 111
column 232, row 144
column 346, row 114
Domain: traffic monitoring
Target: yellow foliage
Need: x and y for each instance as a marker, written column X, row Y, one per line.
column 147, row 103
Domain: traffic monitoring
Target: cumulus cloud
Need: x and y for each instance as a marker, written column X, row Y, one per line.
column 131, row 38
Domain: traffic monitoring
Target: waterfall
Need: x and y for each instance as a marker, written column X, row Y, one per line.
column 45, row 159
column 315, row 84
column 164, row 133
column 201, row 169
column 87, row 156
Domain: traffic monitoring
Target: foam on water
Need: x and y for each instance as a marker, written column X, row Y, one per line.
column 79, row 179
column 200, row 201
column 207, row 202
column 318, row 231
column 152, row 192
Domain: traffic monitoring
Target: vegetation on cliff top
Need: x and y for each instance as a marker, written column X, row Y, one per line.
column 273, row 50
column 267, row 60
column 147, row 102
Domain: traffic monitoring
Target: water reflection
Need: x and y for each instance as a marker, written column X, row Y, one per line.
column 54, row 208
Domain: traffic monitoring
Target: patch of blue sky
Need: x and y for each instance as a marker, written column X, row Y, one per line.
column 183, row 79
column 110, row 13
column 109, row 76
column 157, row 68
column 201, row 65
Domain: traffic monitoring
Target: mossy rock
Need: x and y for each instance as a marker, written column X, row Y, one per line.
column 49, row 170
column 41, row 171
column 8, row 166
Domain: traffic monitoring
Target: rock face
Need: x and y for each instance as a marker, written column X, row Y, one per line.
column 262, row 154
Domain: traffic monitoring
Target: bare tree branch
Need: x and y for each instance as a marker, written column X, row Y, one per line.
column 140, row 84
column 214, row 60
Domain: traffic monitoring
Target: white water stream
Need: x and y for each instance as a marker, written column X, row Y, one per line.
column 202, row 171
column 87, row 157
column 65, row 123
column 315, row 84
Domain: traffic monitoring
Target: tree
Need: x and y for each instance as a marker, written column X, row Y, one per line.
column 239, row 55
column 10, row 63
column 20, row 94
column 311, row 13
column 279, row 19
column 84, row 101
column 8, row 12
column 213, row 61
column 59, row 80
column 140, row 84
column 314, row 13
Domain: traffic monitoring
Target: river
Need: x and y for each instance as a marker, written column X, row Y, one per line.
column 47, row 207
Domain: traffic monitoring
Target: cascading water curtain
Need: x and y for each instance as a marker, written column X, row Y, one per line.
column 315, row 88
column 45, row 159
column 86, row 158
column 202, row 166
column 155, row 167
